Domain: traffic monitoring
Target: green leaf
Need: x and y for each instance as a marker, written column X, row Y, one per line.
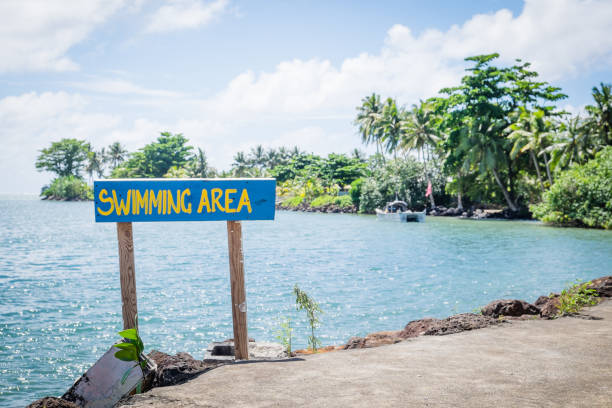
column 127, row 346
column 126, row 355
column 126, row 374
column 131, row 334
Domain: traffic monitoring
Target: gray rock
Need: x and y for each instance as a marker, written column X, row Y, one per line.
column 509, row 307
column 458, row 323
column 176, row 369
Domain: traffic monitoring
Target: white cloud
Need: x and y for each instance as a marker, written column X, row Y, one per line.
column 309, row 103
column 32, row 121
column 185, row 14
column 123, row 87
column 35, row 35
column 560, row 37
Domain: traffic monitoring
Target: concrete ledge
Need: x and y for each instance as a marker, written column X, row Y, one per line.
column 534, row 363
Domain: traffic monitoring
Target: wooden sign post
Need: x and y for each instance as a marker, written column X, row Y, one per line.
column 145, row 200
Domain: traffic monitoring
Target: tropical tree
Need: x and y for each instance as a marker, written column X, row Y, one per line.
column 156, row 158
column 199, row 165
column 258, row 156
column 572, row 144
column 392, row 123
column 484, row 150
column 95, row 163
column 600, row 114
column 64, row 158
column 369, row 120
column 240, row 166
column 527, row 135
column 116, row 154
column 420, row 134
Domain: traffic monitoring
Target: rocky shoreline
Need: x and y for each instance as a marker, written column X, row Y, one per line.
column 474, row 213
column 330, row 209
column 179, row 368
column 494, row 313
column 55, row 198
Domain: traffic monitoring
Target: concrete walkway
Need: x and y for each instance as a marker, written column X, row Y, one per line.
column 561, row 363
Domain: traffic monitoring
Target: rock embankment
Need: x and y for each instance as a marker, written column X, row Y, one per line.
column 329, row 208
column 479, row 213
column 176, row 369
column 495, row 312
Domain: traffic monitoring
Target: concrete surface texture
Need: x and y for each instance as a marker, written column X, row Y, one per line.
column 535, row 363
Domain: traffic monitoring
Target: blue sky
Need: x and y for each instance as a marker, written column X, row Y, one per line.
column 232, row 74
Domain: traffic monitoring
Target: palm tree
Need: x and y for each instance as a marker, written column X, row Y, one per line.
column 258, row 156
column 600, row 120
column 420, row 134
column 116, row 154
column 199, row 165
column 527, row 133
column 392, row 125
column 368, row 119
column 273, row 158
column 573, row 144
column 95, row 164
column 295, row 152
column 358, row 154
column 483, row 149
column 240, row 166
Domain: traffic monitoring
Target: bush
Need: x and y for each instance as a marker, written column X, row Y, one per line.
column 581, row 196
column 401, row 178
column 355, row 191
column 68, row 188
column 324, row 200
column 575, row 297
column 293, row 201
column 370, row 197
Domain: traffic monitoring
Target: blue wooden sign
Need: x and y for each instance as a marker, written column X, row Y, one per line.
column 139, row 200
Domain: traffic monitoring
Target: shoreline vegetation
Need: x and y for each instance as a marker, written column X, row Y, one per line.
column 496, row 141
column 179, row 368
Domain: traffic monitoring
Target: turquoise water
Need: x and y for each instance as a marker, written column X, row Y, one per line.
column 60, row 303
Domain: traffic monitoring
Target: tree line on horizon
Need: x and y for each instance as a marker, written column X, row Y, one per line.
column 497, row 138
column 497, row 134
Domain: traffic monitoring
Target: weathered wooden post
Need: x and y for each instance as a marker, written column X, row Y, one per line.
column 239, row 308
column 127, row 274
column 144, row 200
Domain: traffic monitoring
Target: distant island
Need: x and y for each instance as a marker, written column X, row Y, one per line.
column 496, row 140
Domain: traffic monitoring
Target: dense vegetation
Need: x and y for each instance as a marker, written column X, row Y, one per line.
column 581, row 196
column 495, row 139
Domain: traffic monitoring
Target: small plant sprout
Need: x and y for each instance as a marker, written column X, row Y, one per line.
column 131, row 350
column 284, row 334
column 304, row 302
column 574, row 297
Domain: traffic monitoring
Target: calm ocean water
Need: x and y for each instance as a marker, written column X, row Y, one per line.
column 60, row 303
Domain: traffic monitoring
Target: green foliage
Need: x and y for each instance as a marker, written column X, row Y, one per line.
column 284, row 334
column 337, row 169
column 355, row 191
column 68, row 188
column 371, row 197
column 325, row 200
column 306, row 303
column 581, row 196
column 64, row 158
column 573, row 298
column 131, row 349
column 401, row 178
column 156, row 159
column 293, row 201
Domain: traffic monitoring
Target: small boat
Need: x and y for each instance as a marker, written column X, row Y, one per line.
column 398, row 211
